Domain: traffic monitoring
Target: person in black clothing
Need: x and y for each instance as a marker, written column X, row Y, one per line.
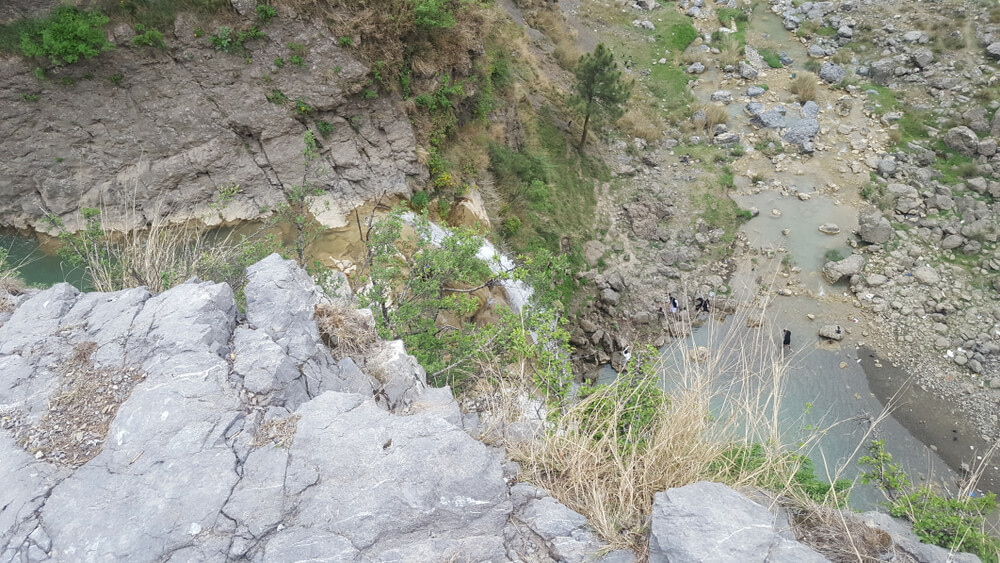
column 788, row 339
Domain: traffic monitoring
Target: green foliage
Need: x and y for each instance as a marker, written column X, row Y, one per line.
column 727, row 15
column 276, row 97
column 431, row 15
column 630, row 406
column 345, row 41
column 279, row 62
column 116, row 79
column 302, row 108
column 599, row 91
column 510, row 226
column 680, row 36
column 265, row 12
column 877, row 468
column 811, row 65
column 325, row 128
column 148, row 37
column 229, row 41
column 955, row 524
column 297, row 60
column 883, row 98
column 771, row 57
column 39, row 73
column 295, row 210
column 369, row 94
column 441, row 99
column 420, row 200
column 66, row 36
column 794, row 470
column 29, row 97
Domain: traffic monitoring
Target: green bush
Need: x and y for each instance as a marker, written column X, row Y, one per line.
column 420, row 200
column 345, row 41
column 432, row 14
column 229, row 41
column 950, row 523
column 265, row 13
column 276, row 97
column 67, row 35
column 325, row 128
column 148, row 37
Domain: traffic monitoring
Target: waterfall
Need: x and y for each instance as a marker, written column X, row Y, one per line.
column 518, row 292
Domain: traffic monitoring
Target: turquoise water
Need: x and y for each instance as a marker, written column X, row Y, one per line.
column 38, row 266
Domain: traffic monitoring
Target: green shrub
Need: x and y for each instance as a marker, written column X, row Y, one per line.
column 279, row 62
column 432, row 14
column 228, row 41
column 29, row 97
column 811, row 66
column 302, row 107
column 297, row 60
column 345, row 41
column 148, row 37
column 265, row 13
column 511, row 225
column 276, row 97
column 116, row 79
column 325, row 128
column 727, row 15
column 67, row 35
column 420, row 200
column 950, row 523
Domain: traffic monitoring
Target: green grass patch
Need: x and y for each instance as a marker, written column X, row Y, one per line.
column 883, row 98
column 954, row 167
column 826, row 31
column 549, row 185
column 771, row 57
column 728, row 15
column 678, row 36
column 160, row 14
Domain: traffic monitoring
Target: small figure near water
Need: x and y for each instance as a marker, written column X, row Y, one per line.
column 788, row 340
column 701, row 305
column 674, row 306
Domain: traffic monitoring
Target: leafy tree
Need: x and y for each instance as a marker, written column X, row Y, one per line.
column 600, row 90
column 294, row 211
column 67, row 35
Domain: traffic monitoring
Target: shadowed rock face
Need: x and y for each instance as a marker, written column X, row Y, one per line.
column 245, row 437
column 151, row 134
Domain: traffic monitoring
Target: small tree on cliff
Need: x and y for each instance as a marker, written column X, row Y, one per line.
column 600, row 90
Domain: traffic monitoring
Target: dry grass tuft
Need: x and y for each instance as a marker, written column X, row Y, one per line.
column 730, row 52
column 277, row 431
column 729, row 401
column 804, row 88
column 634, row 124
column 553, row 24
column 346, row 330
column 715, row 115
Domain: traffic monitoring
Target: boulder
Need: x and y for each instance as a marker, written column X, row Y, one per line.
column 952, row 241
column 831, row 332
column 754, row 91
column 922, row 57
column 852, row 265
column 696, row 68
column 882, row 71
column 810, row 109
column 801, row 132
column 747, row 72
column 962, row 140
column 829, row 229
column 831, row 73
column 711, row 522
column 926, row 275
column 993, row 50
column 723, row 96
column 770, row 119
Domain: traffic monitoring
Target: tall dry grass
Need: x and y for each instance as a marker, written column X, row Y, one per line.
column 731, row 399
column 803, row 88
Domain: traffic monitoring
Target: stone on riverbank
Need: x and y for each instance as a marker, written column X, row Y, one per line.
column 852, row 265
column 831, row 332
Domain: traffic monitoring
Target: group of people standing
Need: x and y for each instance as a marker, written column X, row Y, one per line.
column 701, row 305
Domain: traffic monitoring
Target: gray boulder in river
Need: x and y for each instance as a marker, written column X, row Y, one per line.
column 873, row 227
column 834, row 271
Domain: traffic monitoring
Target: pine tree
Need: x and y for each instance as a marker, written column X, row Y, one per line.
column 600, row 90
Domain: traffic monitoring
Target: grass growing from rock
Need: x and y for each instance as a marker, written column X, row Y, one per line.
column 771, row 57
column 883, row 98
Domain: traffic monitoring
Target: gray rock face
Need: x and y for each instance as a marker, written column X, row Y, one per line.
column 831, row 332
column 696, row 68
column 923, row 57
column 962, row 140
column 882, row 71
column 926, row 275
column 773, row 118
column 195, row 123
column 993, row 50
column 832, row 73
column 802, row 134
column 873, row 227
column 810, row 109
column 243, row 440
column 711, row 522
column 746, row 71
column 847, row 267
